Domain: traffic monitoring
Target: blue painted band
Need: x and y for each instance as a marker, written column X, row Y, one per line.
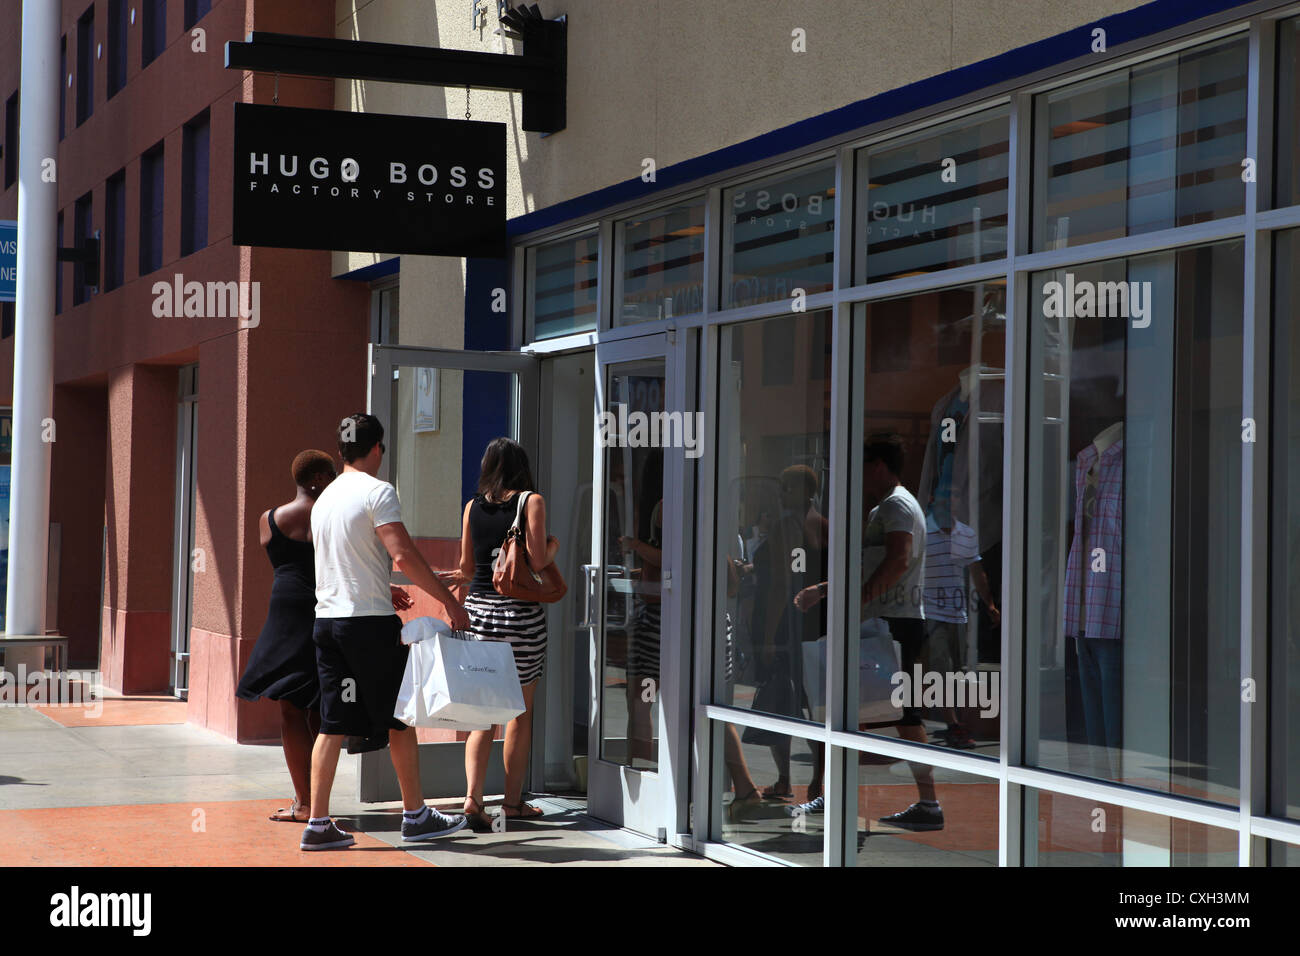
column 389, row 267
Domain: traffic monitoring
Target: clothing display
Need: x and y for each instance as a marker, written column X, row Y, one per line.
column 1094, row 599
column 946, row 467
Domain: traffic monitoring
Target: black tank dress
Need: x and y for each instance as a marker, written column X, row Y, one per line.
column 283, row 663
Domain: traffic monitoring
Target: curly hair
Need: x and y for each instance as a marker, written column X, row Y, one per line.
column 310, row 464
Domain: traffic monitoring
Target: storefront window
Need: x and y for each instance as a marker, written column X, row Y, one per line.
column 1288, row 123
column 1285, row 631
column 1073, row 831
column 789, row 824
column 1132, row 631
column 928, row 621
column 661, row 265
column 772, row 531
column 934, row 201
column 1151, row 147
column 951, row 821
column 778, row 236
column 562, row 286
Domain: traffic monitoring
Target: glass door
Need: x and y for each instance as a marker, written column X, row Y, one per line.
column 638, row 675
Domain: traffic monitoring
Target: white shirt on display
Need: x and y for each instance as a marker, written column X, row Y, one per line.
column 352, row 564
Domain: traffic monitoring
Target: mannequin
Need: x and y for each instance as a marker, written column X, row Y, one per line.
column 1094, row 588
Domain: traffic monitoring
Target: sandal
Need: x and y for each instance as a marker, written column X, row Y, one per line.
column 291, row 814
column 740, row 808
column 478, row 820
column 778, row 791
column 523, row 811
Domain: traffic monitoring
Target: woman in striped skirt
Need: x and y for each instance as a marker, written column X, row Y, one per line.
column 504, row 475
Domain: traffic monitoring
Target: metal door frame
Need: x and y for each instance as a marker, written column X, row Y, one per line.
column 655, row 803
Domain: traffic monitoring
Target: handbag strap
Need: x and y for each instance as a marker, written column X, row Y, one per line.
column 519, row 509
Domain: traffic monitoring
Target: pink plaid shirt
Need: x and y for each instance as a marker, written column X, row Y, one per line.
column 1103, row 592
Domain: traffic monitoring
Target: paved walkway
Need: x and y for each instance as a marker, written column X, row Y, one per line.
column 138, row 787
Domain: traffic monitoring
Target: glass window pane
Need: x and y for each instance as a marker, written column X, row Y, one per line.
column 933, row 202
column 1285, row 630
column 777, row 827
column 634, row 532
column 1283, row 854
column 1135, row 462
column 661, row 262
column 773, row 457
column 562, row 286
column 929, row 633
column 778, row 236
column 1288, row 114
column 912, row 814
column 1073, row 831
column 1152, row 147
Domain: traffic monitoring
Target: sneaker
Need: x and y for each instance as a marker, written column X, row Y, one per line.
column 817, row 805
column 916, row 817
column 331, row 838
column 960, row 739
column 435, row 825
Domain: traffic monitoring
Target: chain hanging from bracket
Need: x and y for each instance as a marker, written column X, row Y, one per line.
column 467, row 102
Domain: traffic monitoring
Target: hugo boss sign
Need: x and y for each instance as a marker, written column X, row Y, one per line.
column 368, row 182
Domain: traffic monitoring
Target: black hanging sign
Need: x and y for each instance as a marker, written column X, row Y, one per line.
column 368, row 182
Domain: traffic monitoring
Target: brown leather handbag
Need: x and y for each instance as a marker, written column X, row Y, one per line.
column 511, row 575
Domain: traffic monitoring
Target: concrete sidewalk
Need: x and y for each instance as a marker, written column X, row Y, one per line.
column 136, row 787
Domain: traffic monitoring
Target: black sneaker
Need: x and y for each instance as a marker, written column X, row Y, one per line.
column 916, row 817
column 435, row 825
column 331, row 838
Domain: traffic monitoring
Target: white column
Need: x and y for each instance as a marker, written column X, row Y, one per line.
column 29, row 502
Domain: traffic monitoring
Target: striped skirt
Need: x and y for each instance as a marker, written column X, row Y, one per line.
column 521, row 624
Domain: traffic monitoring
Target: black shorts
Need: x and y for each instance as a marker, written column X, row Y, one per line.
column 368, row 652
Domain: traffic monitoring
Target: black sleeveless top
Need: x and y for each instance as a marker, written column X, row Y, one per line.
column 294, row 563
column 488, row 524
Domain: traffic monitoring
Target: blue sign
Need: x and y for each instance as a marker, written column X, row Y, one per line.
column 8, row 260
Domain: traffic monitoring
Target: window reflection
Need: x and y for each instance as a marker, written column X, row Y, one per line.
column 661, row 265
column 773, row 448
column 1151, row 147
column 1073, row 831
column 1132, row 636
column 929, row 608
column 562, row 286
column 933, row 202
column 779, row 235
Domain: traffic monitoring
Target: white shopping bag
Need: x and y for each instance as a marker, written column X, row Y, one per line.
column 877, row 664
column 459, row 684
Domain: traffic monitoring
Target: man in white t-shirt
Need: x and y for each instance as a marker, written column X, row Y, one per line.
column 894, row 571
column 358, row 534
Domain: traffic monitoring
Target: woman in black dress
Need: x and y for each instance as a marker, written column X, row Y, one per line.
column 283, row 663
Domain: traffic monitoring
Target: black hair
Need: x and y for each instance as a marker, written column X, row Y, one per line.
column 887, row 448
column 312, row 464
column 504, row 468
column 358, row 433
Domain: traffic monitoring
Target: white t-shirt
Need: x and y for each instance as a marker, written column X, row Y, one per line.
column 898, row 511
column 352, row 564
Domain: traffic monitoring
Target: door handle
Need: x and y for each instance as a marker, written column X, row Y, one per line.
column 590, row 574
